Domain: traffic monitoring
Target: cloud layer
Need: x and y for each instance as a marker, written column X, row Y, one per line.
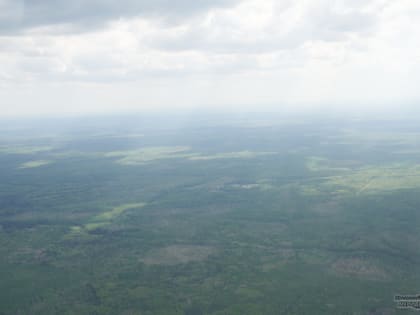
column 82, row 15
column 96, row 55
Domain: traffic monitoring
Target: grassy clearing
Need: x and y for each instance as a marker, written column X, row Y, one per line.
column 368, row 180
column 109, row 215
column 362, row 137
column 149, row 154
column 35, row 163
column 105, row 218
column 319, row 164
column 145, row 155
column 24, row 149
column 260, row 184
column 76, row 154
column 375, row 179
column 231, row 155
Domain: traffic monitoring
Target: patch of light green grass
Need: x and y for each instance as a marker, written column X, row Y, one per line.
column 109, row 215
column 101, row 220
column 78, row 154
column 33, row 164
column 319, row 164
column 148, row 154
column 76, row 229
column 94, row 225
column 231, row 155
column 105, row 218
column 371, row 179
column 386, row 137
column 24, row 149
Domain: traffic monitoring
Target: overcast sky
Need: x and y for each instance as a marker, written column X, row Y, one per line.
column 61, row 56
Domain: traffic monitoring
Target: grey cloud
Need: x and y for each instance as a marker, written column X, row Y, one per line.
column 81, row 15
column 36, row 66
column 352, row 21
column 318, row 23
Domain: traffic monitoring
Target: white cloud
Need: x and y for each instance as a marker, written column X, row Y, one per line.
column 246, row 53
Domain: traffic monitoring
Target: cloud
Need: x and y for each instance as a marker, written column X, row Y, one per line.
column 208, row 52
column 83, row 15
column 255, row 26
column 252, row 35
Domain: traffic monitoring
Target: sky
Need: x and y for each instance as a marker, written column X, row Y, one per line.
column 88, row 56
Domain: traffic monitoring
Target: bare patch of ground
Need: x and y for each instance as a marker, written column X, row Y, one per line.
column 359, row 268
column 178, row 254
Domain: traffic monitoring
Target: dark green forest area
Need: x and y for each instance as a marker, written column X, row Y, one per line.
column 208, row 215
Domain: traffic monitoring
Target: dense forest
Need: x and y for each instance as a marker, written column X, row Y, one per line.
column 215, row 215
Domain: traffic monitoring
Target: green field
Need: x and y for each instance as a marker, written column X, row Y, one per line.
column 258, row 215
